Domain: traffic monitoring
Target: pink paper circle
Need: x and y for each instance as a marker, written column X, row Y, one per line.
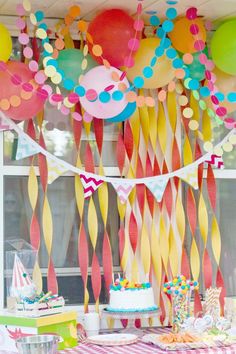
column 57, row 97
column 229, row 123
column 199, row 45
column 91, row 95
column 64, row 110
column 23, row 38
column 221, row 111
column 16, row 79
column 33, row 65
column 214, row 100
column 20, row 10
column 43, row 94
column 87, row 117
column 213, row 78
column 129, row 62
column 28, row 52
column 210, row 65
column 191, row 13
column 53, row 103
column 77, row 116
column 138, row 25
column 210, row 85
column 202, row 58
column 133, row 44
column 73, row 97
column 40, row 77
column 27, row 87
column 194, row 29
column 48, row 89
column 208, row 75
column 20, row 23
column 139, row 9
column 208, row 25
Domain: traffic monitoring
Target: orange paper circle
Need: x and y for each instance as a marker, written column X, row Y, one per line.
column 15, row 101
column 4, row 104
column 131, row 96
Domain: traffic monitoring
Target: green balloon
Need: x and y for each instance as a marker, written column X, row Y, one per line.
column 223, row 47
column 70, row 60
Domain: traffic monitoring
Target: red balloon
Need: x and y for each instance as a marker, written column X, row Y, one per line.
column 112, row 30
column 11, row 81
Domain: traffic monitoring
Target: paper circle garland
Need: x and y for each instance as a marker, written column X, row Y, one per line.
column 99, row 79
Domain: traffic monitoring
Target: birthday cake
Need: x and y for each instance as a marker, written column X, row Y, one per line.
column 128, row 296
column 27, row 301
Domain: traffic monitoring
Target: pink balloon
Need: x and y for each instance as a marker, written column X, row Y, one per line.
column 98, row 79
column 28, row 108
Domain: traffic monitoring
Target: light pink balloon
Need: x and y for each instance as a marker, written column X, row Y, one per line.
column 98, row 79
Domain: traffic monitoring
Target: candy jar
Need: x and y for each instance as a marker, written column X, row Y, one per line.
column 180, row 290
column 212, row 303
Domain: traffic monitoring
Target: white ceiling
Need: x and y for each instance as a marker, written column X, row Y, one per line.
column 210, row 9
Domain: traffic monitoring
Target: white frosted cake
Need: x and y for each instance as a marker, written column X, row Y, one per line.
column 126, row 296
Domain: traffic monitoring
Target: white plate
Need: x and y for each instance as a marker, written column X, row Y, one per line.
column 113, row 339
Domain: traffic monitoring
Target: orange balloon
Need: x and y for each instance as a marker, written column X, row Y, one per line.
column 181, row 37
column 225, row 83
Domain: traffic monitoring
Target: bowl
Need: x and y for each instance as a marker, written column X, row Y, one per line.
column 40, row 344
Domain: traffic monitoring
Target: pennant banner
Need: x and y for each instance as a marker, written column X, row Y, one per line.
column 4, row 126
column 190, row 175
column 216, row 161
column 90, row 184
column 25, row 149
column 123, row 190
column 157, row 187
column 54, row 170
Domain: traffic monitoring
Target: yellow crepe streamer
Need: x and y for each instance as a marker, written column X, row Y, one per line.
column 145, row 249
column 206, row 126
column 174, row 254
column 103, row 202
column 216, row 240
column 195, row 107
column 187, row 152
column 203, row 219
column 194, row 260
column 152, row 127
column 180, row 216
column 47, row 225
column 92, row 223
column 172, row 110
column 156, row 254
column 144, row 119
column 164, row 243
column 135, row 127
column 161, row 128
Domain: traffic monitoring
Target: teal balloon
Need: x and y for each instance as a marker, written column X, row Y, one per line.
column 223, row 47
column 125, row 114
column 69, row 61
column 196, row 69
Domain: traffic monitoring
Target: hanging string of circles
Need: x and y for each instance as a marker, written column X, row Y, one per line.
column 123, row 63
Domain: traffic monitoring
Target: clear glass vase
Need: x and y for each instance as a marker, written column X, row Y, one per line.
column 180, row 309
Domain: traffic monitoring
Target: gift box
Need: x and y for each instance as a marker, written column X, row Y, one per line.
column 14, row 326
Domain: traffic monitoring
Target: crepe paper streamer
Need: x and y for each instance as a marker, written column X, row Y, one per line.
column 161, row 128
column 152, row 127
column 164, row 243
column 90, row 184
column 54, row 170
column 211, row 187
column 174, row 256
column 191, row 211
column 96, row 280
column 133, row 231
column 155, row 253
column 135, row 126
column 172, row 110
column 83, row 257
column 203, row 219
column 215, row 240
column 107, row 261
column 24, row 149
column 216, row 161
column 145, row 249
column 157, row 187
column 187, row 152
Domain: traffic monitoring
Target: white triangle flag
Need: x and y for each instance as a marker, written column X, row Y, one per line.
column 55, row 170
column 123, row 189
column 157, row 186
column 190, row 175
column 25, row 148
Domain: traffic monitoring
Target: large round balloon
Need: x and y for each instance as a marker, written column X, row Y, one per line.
column 225, row 84
column 100, row 92
column 5, row 43
column 163, row 72
column 112, row 30
column 223, row 47
column 181, row 37
column 23, row 104
column 70, row 60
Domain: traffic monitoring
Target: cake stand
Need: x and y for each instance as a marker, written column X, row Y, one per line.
column 131, row 316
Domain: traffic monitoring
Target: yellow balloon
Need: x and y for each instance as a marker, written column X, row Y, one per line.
column 225, row 83
column 5, row 43
column 163, row 72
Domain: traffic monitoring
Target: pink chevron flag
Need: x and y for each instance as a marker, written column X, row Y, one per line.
column 216, row 161
column 123, row 190
column 90, row 184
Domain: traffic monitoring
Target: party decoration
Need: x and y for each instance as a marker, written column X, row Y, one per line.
column 190, row 176
column 182, row 38
column 98, row 83
column 6, row 43
column 111, row 31
column 17, row 97
column 158, row 75
column 196, row 69
column 216, row 161
column 90, row 184
column 212, row 303
column 54, row 170
column 125, row 114
column 223, row 46
column 70, row 60
column 24, row 149
column 157, row 187
column 123, row 190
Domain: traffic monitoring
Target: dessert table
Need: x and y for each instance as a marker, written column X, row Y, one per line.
column 140, row 347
